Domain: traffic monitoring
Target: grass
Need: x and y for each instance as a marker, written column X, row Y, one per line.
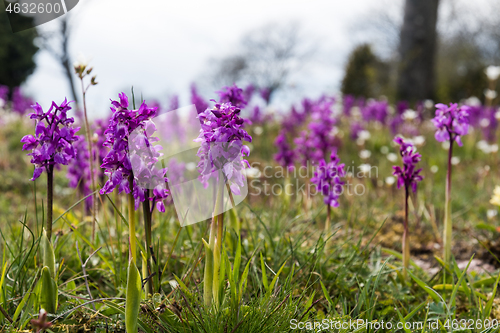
column 284, row 270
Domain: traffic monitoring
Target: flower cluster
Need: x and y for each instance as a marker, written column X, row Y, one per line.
column 52, row 144
column 285, row 155
column 451, row 122
column 221, row 137
column 124, row 160
column 408, row 176
column 233, row 95
column 328, row 179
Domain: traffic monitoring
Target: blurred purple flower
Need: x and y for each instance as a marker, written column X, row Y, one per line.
column 356, row 127
column 322, row 124
column 52, row 144
column 221, row 137
column 408, row 176
column 79, row 170
column 265, row 93
column 248, row 92
column 233, row 95
column 375, row 111
column 348, row 101
column 328, row 179
column 304, row 148
column 451, row 122
column 20, row 104
column 285, row 155
column 198, row 100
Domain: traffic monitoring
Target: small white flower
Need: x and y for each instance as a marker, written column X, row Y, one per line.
column 485, row 122
column 392, row 157
column 429, row 104
column 418, row 140
column 490, row 94
column 258, row 130
column 491, row 213
column 434, row 168
column 497, row 115
column 445, row 145
column 390, row 180
column 364, row 154
column 492, row 72
column 253, row 172
column 364, row 135
column 82, row 60
column 486, row 148
column 365, row 168
column 482, row 145
column 410, row 115
column 455, row 160
column 384, row 150
column 191, row 166
column 473, row 101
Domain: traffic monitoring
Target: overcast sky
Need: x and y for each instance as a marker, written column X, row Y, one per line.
column 160, row 47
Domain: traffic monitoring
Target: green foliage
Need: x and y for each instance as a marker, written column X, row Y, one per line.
column 48, row 292
column 279, row 269
column 133, row 297
column 365, row 74
column 16, row 50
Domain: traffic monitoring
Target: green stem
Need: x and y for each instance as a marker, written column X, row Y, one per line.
column 212, row 256
column 131, row 221
column 147, row 225
column 447, row 209
column 50, row 200
column 406, row 245
column 91, row 162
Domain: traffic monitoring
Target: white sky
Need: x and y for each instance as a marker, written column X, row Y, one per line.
column 160, row 47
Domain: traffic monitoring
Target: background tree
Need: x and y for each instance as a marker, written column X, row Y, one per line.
column 417, row 50
column 16, row 51
column 365, row 74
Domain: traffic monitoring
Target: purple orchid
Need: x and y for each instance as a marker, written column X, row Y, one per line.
column 124, row 157
column 451, row 122
column 51, row 146
column 54, row 137
column 328, row 179
column 407, row 176
column 221, row 137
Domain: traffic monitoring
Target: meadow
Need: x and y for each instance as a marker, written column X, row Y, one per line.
column 282, row 260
